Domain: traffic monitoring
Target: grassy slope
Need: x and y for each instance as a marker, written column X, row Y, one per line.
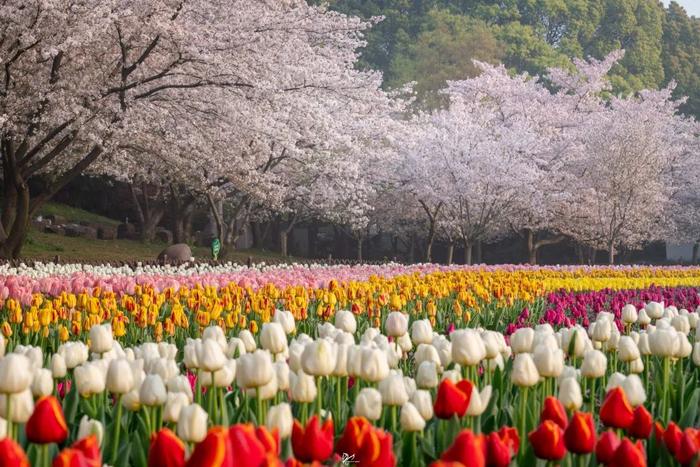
column 45, row 246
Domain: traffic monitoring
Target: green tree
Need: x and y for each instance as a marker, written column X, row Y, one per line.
column 444, row 50
column 681, row 56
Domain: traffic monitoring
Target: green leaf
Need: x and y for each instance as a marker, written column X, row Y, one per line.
column 690, row 416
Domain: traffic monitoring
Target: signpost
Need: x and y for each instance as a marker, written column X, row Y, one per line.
column 215, row 248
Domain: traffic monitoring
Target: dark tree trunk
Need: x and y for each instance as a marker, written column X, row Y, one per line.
column 182, row 210
column 478, row 252
column 696, row 250
column 149, row 211
column 467, row 252
column 531, row 250
column 359, row 249
column 611, row 252
column 284, row 237
column 450, row 252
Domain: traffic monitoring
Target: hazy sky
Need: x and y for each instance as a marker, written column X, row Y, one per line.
column 691, row 6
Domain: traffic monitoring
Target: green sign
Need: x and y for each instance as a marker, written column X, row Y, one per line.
column 215, row 248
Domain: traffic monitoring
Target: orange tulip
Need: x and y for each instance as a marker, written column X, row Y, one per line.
column 580, row 436
column 366, row 444
column 90, row 447
column 313, row 443
column 213, row 451
column 11, row 454
column 70, row 457
column 452, row 399
column 548, row 441
column 447, row 464
column 466, row 448
column 616, row 412
column 47, row 423
column 166, row 450
column 554, row 410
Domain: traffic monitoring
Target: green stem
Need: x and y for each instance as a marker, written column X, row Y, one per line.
column 8, row 398
column 319, row 395
column 521, row 420
column 117, row 429
column 665, row 405
column 258, row 407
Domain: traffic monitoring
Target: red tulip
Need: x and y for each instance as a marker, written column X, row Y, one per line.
column 672, row 438
column 47, row 423
column 641, row 424
column 689, row 447
column 580, row 435
column 166, row 450
column 510, row 437
column 606, row 446
column 629, row 454
column 366, row 444
column 252, row 444
column 452, row 399
column 313, row 443
column 466, row 448
column 498, row 453
column 616, row 411
column 548, row 441
column 70, row 457
column 554, row 410
column 658, row 432
column 90, row 447
column 11, row 454
column 447, row 464
column 213, row 451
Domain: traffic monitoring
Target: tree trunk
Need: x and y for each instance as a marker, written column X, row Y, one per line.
column 148, row 214
column 611, row 252
column 467, row 253
column 531, row 249
column 478, row 252
column 359, row 249
column 429, row 241
column 283, row 242
column 182, row 209
column 450, row 253
column 412, row 249
column 696, row 251
column 312, row 240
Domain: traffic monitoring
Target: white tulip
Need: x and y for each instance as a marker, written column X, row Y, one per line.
column 319, row 358
column 549, row 361
column 302, row 387
column 393, row 390
column 210, row 355
column 643, row 318
column 190, row 354
column 421, row 332
column 467, row 347
column 664, row 342
column 573, row 341
column 58, row 366
column 637, row 366
column 101, row 339
column 655, row 310
column 570, row 394
column 368, row 404
column 280, row 417
column 248, row 340
column 453, row 375
column 222, row 378
column 396, row 324
column 326, row 330
column 344, row 338
column 524, row 372
column 594, row 364
column 345, row 320
column 521, row 340
column 22, row 406
column 634, row 390
column 643, row 344
column 120, row 378
column 152, row 391
column 281, row 375
column 410, row 419
column 423, row 401
column 181, row 385
column 681, row 324
column 131, row 401
column 427, row 375
column 216, row 334
column 89, row 379
column 616, row 380
column 89, row 427
column 693, row 319
column 235, row 348
column 166, row 350
column 478, row 402
column 685, row 348
column 602, row 330
column 492, row 343
column 286, row 319
column 15, row 373
column 696, row 354
column 192, row 424
column 266, row 391
column 273, row 338
column 375, row 366
column 627, row 350
column 405, row 343
column 254, row 369
column 341, row 360
column 629, row 314
column 42, row 385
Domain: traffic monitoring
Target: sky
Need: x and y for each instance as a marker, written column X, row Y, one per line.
column 691, row 6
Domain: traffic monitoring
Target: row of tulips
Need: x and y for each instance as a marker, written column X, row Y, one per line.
column 411, row 393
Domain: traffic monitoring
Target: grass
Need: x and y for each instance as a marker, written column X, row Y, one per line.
column 45, row 246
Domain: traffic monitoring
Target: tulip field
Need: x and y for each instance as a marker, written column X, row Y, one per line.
column 419, row 365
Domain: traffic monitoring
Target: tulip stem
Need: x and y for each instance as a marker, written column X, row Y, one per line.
column 8, row 399
column 117, row 428
column 45, row 459
column 319, row 395
column 665, row 400
column 593, row 395
column 521, row 421
column 258, row 407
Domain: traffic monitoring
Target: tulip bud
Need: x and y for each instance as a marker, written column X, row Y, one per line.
column 319, row 358
column 411, row 420
column 152, row 391
column 58, row 366
column 627, row 350
column 265, row 392
column 89, row 427
column 210, row 355
column 594, row 364
column 101, row 339
column 601, row 329
column 368, row 404
column 345, row 320
column 281, row 375
column 120, row 378
column 637, row 366
column 693, row 319
column 521, row 340
column 681, row 324
column 393, row 390
column 524, row 372
column 235, row 348
column 570, row 394
column 192, row 423
column 280, row 417
column 15, row 374
column 478, row 401
column 89, row 379
column 42, row 385
column 426, row 376
column 248, row 340
column 655, row 310
column 664, row 342
column 302, row 387
column 173, row 406
column 190, row 355
column 467, row 347
column 629, row 314
column 643, row 318
column 375, row 366
column 685, row 348
column 273, row 338
column 221, row 378
column 421, row 332
column 696, row 354
column 131, row 401
column 396, row 324
column 573, row 341
column 286, row 319
column 254, row 369
column 182, row 385
column 423, row 401
column 634, row 390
